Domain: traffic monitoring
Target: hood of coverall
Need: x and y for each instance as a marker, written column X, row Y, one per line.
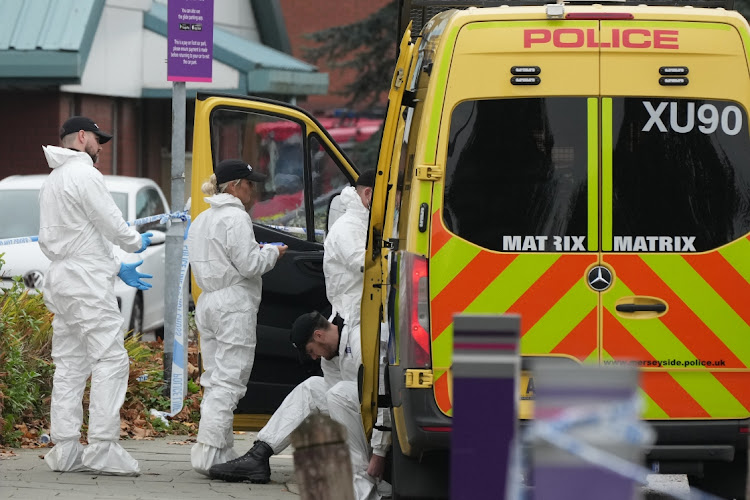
column 224, row 199
column 57, row 156
column 353, row 203
column 345, row 254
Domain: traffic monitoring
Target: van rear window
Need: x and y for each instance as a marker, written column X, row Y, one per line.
column 516, row 174
column 680, row 174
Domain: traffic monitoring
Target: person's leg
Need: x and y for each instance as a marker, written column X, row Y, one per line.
column 306, row 397
column 100, row 323
column 343, row 406
column 72, row 369
column 231, row 348
column 275, row 436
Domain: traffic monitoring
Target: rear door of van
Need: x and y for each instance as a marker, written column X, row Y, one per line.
column 597, row 183
column 676, row 213
column 515, row 219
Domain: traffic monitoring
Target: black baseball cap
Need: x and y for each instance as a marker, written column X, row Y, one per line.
column 230, row 170
column 366, row 179
column 76, row 123
column 303, row 328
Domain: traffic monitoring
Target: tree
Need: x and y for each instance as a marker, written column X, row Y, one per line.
column 367, row 48
column 743, row 7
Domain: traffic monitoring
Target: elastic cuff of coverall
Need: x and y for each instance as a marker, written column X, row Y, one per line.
column 204, row 456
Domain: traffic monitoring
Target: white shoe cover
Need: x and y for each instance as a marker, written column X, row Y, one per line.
column 108, row 457
column 203, row 456
column 66, row 457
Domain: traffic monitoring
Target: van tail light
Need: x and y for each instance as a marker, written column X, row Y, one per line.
column 414, row 311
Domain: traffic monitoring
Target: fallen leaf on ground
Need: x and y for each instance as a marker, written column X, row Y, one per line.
column 187, row 441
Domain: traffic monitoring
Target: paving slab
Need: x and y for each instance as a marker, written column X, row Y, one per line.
column 165, row 474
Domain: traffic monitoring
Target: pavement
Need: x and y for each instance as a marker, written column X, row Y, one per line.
column 166, row 474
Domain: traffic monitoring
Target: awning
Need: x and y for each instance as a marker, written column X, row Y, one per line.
column 46, row 41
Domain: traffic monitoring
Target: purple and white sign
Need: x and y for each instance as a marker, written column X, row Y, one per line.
column 190, row 44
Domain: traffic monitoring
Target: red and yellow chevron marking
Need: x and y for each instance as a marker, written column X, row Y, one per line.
column 558, row 310
column 708, row 319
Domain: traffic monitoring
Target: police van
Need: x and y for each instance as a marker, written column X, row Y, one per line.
column 583, row 165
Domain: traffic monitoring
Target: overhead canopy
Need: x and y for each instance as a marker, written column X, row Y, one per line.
column 46, row 41
column 263, row 70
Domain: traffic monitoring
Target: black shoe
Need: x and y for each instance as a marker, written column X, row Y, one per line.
column 253, row 466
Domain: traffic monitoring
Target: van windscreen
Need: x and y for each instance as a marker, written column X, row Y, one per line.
column 516, row 174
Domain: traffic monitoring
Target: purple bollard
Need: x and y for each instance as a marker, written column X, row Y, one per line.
column 560, row 473
column 486, row 368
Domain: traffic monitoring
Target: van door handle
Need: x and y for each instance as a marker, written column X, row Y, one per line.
column 310, row 265
column 629, row 308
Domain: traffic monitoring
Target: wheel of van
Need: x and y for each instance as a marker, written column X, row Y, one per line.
column 136, row 319
column 426, row 478
column 725, row 480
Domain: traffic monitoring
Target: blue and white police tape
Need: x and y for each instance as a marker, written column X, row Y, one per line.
column 19, row 240
column 580, row 415
column 609, row 461
column 177, row 383
column 161, row 218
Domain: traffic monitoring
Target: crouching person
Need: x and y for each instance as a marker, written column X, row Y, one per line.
column 337, row 343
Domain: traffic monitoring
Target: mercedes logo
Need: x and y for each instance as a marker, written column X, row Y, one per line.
column 600, row 278
column 33, row 279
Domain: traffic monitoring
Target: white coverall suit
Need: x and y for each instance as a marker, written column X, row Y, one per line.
column 343, row 264
column 227, row 264
column 79, row 222
column 336, row 392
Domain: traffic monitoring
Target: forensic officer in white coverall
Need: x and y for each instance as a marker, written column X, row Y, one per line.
column 79, row 223
column 339, row 348
column 227, row 264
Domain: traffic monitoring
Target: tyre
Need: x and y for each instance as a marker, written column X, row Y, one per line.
column 423, row 478
column 136, row 319
column 725, row 480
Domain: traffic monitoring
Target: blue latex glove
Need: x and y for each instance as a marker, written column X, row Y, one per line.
column 130, row 275
column 145, row 242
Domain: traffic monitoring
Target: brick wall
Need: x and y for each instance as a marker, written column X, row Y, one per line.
column 309, row 17
column 30, row 120
column 33, row 119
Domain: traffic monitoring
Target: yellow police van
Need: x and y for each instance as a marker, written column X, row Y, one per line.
column 586, row 166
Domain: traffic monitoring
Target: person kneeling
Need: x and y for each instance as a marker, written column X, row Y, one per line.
column 337, row 343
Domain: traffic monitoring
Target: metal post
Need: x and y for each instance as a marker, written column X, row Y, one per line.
column 174, row 239
column 486, row 368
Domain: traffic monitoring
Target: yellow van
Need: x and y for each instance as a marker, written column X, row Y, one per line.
column 584, row 165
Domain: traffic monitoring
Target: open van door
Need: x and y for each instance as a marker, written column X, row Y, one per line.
column 305, row 169
column 381, row 228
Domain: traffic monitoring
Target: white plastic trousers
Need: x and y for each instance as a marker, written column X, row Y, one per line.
column 227, row 341
column 341, row 402
column 87, row 341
